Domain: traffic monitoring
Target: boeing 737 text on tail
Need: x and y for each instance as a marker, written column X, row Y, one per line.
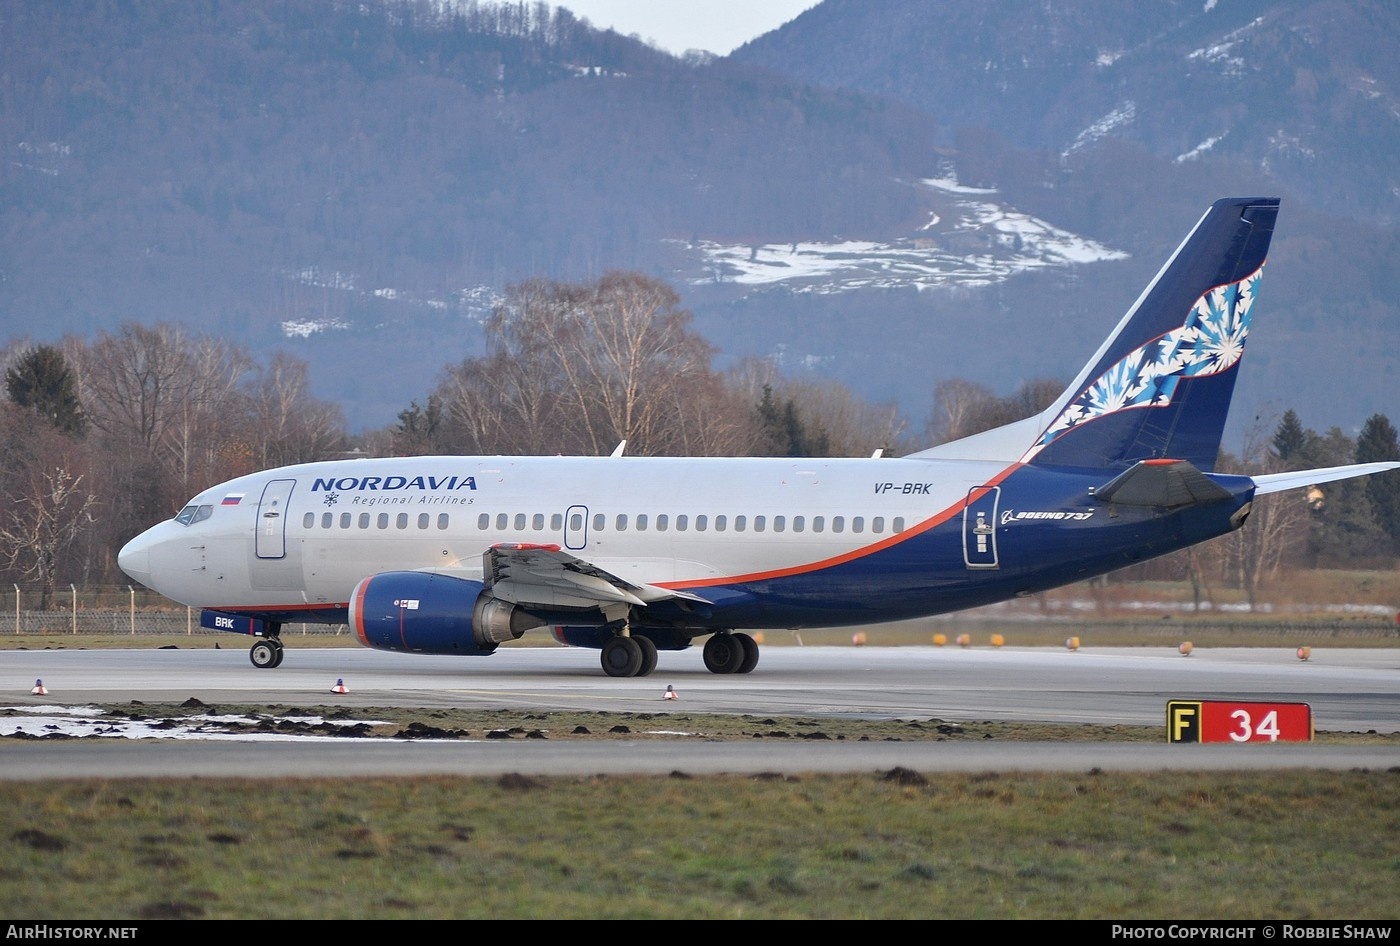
column 635, row 555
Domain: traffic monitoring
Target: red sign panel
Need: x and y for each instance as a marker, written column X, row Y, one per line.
column 1238, row 721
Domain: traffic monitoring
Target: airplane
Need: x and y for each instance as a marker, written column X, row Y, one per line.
column 454, row 555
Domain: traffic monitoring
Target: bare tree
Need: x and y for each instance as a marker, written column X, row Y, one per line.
column 576, row 368
column 49, row 504
column 286, row 424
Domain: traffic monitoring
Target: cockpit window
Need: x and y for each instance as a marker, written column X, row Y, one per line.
column 192, row 514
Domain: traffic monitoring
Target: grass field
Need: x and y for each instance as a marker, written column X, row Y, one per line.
column 1293, row 845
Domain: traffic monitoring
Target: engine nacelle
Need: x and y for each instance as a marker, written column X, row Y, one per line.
column 423, row 613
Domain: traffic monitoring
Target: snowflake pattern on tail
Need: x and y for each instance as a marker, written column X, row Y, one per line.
column 1211, row 341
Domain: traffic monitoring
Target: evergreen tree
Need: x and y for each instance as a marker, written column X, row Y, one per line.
column 1378, row 441
column 41, row 381
column 1290, row 438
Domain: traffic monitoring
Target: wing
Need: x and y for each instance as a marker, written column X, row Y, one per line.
column 546, row 576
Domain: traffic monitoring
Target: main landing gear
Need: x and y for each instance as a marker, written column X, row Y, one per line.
column 629, row 656
column 266, row 652
column 728, row 652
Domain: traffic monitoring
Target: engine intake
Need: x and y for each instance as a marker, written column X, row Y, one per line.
column 424, row 613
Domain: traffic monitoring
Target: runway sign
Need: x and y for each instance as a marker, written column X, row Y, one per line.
column 1193, row 721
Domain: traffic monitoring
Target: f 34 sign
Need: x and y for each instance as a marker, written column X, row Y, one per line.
column 1192, row 721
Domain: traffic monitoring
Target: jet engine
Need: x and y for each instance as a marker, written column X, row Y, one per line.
column 425, row 613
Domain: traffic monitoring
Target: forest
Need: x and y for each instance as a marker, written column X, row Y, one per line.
column 105, row 435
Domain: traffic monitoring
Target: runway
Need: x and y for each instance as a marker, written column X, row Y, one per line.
column 1347, row 690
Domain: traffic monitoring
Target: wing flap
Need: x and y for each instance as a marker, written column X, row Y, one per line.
column 547, row 576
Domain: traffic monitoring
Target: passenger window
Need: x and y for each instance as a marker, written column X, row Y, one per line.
column 364, row 520
column 383, row 521
column 838, row 523
column 483, row 521
column 575, row 522
column 779, row 523
column 641, row 522
column 401, row 520
column 556, row 521
column 858, row 524
column 759, row 523
column 818, row 523
column 700, row 523
column 442, row 520
column 720, row 522
column 877, row 525
column 423, row 520
column 622, row 522
column 327, row 518
column 537, row 522
column 599, row 521
column 899, row 523
column 739, row 522
column 502, row 521
column 308, row 520
column 798, row 523
column 520, row 522
column 345, row 520
column 663, row 522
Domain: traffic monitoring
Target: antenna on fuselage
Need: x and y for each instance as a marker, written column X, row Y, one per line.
column 617, row 451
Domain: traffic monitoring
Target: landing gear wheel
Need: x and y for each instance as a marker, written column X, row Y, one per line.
column 280, row 650
column 750, row 653
column 622, row 657
column 265, row 653
column 648, row 656
column 724, row 653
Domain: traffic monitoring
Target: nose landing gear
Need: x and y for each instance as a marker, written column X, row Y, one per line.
column 266, row 652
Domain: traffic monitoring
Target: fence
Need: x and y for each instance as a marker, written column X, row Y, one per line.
column 97, row 611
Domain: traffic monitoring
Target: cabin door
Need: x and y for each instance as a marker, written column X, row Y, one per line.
column 980, row 527
column 272, row 519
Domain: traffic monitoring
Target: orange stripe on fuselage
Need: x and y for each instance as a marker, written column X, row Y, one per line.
column 930, row 523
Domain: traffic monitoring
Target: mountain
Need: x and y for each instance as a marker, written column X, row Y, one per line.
column 357, row 183
column 1306, row 90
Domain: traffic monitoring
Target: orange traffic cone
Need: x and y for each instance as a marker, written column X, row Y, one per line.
column 39, row 689
column 339, row 686
column 670, row 693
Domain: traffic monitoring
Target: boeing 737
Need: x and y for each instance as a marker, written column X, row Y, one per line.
column 634, row 555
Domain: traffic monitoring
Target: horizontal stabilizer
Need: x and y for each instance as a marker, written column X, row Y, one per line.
column 1168, row 483
column 1277, row 482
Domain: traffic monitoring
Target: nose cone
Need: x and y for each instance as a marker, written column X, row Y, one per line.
column 135, row 559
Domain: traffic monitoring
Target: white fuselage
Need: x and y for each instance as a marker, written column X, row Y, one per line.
column 305, row 535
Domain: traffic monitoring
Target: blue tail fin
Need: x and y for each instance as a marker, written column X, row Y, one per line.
column 1160, row 386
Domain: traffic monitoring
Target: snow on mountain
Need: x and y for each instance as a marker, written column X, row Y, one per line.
column 979, row 242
